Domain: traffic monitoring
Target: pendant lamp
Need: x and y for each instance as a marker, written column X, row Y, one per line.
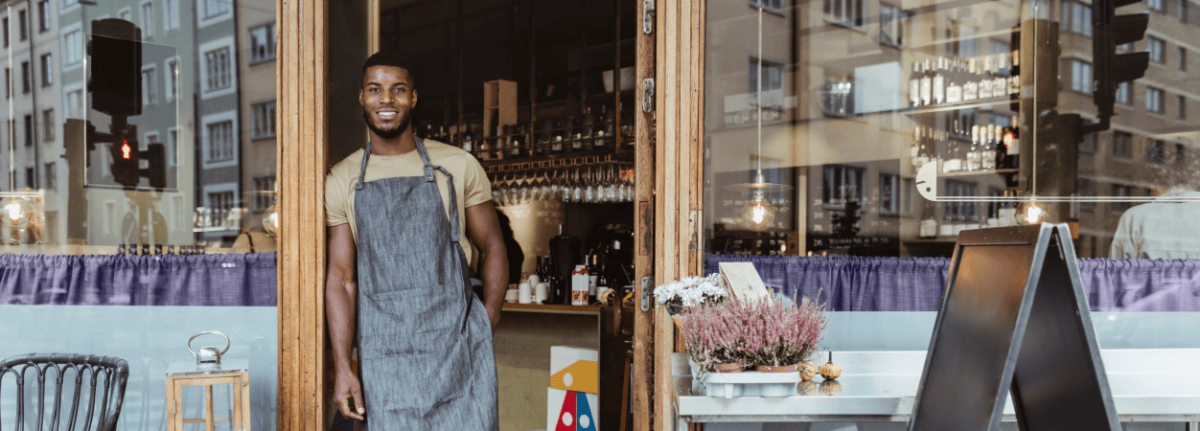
column 758, row 214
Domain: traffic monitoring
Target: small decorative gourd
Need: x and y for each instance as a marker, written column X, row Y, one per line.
column 807, row 371
column 806, row 388
column 830, row 371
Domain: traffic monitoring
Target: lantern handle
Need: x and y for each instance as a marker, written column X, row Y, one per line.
column 189, row 343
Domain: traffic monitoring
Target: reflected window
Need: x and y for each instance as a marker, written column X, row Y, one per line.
column 147, row 16
column 51, row 177
column 48, row 125
column 43, row 16
column 47, row 69
column 75, row 104
column 1182, row 59
column 842, row 184
column 1122, row 145
column 837, row 94
column 25, row 77
column 1155, row 152
column 1123, row 94
column 1081, row 76
column 220, row 141
column 769, row 5
column 221, row 205
column 172, row 75
column 889, row 194
column 1086, row 188
column 1157, row 49
column 30, row 179
column 8, row 84
column 264, row 120
column 844, row 12
column 217, row 64
column 264, row 193
column 216, row 8
column 1155, row 4
column 1121, row 191
column 772, row 86
column 1181, row 107
column 262, row 43
column 893, row 25
column 28, row 130
column 73, row 47
column 24, row 22
column 4, row 22
column 1180, row 153
column 1077, row 18
column 1154, row 100
column 171, row 15
column 149, row 86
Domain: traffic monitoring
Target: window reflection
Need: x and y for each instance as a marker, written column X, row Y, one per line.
column 173, row 143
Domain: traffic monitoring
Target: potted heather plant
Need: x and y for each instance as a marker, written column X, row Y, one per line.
column 714, row 334
column 779, row 335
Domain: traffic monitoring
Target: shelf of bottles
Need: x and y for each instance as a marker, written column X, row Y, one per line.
column 570, row 137
column 964, row 112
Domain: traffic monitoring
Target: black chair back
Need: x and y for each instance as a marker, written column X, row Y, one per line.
column 108, row 373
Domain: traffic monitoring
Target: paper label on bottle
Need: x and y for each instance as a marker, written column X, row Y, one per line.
column 939, row 86
column 926, row 91
column 970, row 91
column 985, row 89
column 1014, row 85
column 999, row 87
column 953, row 94
column 914, row 92
column 952, row 165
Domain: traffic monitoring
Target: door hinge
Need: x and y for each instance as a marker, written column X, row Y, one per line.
column 648, row 16
column 647, row 292
column 647, row 95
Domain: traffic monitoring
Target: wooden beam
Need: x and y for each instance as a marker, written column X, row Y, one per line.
column 644, row 223
column 301, row 90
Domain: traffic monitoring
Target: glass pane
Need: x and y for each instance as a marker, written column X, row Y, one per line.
column 142, row 127
column 872, row 92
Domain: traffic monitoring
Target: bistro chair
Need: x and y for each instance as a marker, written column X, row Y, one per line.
column 115, row 372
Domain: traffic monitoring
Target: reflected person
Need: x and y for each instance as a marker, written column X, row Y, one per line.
column 1161, row 229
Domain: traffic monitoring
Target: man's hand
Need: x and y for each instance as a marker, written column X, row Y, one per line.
column 345, row 387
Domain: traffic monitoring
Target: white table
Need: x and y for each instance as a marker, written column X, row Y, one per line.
column 1153, row 385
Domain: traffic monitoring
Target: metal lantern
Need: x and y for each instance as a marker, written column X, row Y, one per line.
column 229, row 381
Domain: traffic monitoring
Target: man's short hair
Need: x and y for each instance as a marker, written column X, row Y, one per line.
column 394, row 59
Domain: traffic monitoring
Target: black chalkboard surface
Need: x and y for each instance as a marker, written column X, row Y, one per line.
column 1014, row 318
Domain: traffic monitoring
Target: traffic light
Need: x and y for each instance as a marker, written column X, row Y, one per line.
column 127, row 159
column 116, row 60
column 1111, row 69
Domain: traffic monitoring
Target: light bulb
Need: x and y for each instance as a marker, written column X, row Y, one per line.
column 16, row 211
column 271, row 220
column 1032, row 212
column 758, row 214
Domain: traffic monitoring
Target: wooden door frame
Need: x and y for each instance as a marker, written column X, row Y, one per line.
column 670, row 185
column 668, row 229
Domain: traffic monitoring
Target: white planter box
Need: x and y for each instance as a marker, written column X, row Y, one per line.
column 751, row 384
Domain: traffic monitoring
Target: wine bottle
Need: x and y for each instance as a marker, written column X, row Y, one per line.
column 985, row 78
column 988, row 151
column 954, row 88
column 1000, row 149
column 914, row 85
column 1014, row 79
column 1012, row 143
column 973, row 155
column 971, row 86
column 927, row 84
column 915, row 151
column 939, row 82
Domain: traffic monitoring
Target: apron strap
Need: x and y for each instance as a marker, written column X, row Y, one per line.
column 362, row 172
column 455, row 230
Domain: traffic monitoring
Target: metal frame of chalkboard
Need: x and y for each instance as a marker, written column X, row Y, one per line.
column 1053, row 371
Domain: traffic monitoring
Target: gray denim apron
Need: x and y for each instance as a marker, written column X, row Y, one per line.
column 424, row 339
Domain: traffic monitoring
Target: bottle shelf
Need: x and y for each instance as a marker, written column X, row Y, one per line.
column 1003, row 101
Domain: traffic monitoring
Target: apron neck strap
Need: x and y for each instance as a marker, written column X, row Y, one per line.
column 362, row 171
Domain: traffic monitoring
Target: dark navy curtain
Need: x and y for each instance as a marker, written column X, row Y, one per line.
column 916, row 284
column 200, row 280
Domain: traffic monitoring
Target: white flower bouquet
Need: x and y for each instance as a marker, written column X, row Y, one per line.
column 691, row 292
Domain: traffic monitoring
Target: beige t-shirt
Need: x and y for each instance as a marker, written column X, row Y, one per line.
column 470, row 182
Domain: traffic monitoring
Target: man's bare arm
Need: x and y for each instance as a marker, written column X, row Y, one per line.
column 341, row 291
column 483, row 228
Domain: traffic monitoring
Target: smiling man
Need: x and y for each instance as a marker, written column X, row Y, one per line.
column 398, row 284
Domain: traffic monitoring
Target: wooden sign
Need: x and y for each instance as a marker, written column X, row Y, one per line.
column 743, row 281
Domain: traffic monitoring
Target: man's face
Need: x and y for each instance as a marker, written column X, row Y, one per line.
column 387, row 99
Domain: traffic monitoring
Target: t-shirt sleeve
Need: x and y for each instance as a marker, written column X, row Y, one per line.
column 335, row 198
column 476, row 186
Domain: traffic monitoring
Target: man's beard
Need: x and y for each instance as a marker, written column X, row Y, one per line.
column 387, row 133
